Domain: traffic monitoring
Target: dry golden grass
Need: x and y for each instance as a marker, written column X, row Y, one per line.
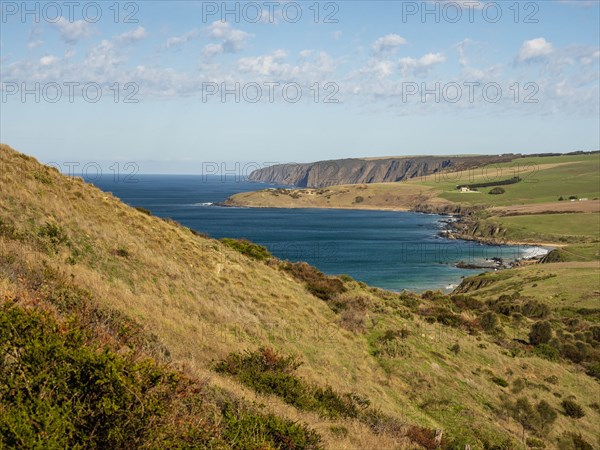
column 203, row 300
column 377, row 196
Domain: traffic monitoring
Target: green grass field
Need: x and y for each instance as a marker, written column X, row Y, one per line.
column 552, row 227
column 544, row 179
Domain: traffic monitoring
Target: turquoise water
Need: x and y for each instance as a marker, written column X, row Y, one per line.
column 392, row 250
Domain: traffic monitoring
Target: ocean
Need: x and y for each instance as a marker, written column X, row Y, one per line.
column 387, row 249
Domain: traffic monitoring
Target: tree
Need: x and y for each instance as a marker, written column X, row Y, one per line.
column 540, row 333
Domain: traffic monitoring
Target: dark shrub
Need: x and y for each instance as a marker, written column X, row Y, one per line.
column 535, row 310
column 547, row 351
column 359, row 199
column 317, row 283
column 572, row 409
column 248, row 248
column 546, row 413
column 143, row 210
column 500, row 381
column 540, row 333
column 571, row 440
column 489, row 321
column 466, row 302
column 497, row 191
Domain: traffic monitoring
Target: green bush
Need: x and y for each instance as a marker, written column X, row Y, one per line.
column 540, row 333
column 572, row 409
column 248, row 430
column 52, row 237
column 535, row 310
column 489, row 321
column 248, row 248
column 267, row 372
column 547, row 351
column 57, row 390
column 497, row 191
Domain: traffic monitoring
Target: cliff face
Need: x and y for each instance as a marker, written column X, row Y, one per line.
column 359, row 171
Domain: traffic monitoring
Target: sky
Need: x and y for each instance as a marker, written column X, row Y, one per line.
column 177, row 87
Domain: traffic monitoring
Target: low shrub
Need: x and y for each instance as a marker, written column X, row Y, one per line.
column 572, row 409
column 497, row 191
column 317, row 283
column 540, row 333
column 500, row 381
column 248, row 430
column 248, row 248
column 489, row 322
column 267, row 372
column 573, row 441
column 390, row 344
column 547, row 351
column 143, row 210
column 74, row 395
column 535, row 310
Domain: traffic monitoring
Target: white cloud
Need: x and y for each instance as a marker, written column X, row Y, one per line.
column 422, row 65
column 388, row 43
column 48, row 60
column 72, row 32
column 590, row 59
column 336, row 35
column 175, row 41
column 132, row 36
column 103, row 58
column 34, row 44
column 269, row 65
column 232, row 40
column 382, row 69
column 535, row 48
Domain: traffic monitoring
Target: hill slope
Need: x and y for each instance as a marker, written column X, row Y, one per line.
column 398, row 366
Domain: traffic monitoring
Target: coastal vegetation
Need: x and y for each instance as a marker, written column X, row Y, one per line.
column 210, row 343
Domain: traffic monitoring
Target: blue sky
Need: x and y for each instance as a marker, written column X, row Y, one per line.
column 359, row 72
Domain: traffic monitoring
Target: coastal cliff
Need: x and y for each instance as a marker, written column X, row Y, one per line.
column 364, row 171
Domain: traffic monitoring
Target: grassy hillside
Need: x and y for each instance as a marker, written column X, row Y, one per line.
column 225, row 327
